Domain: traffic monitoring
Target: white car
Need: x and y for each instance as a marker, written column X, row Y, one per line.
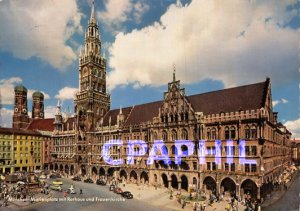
column 71, row 191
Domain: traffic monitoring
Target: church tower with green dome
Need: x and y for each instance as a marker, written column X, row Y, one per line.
column 20, row 117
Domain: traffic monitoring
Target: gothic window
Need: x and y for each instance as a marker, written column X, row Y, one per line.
column 164, row 136
column 253, row 168
column 174, row 135
column 176, row 117
column 247, row 131
column 208, row 134
column 232, row 132
column 213, row 134
column 174, row 150
column 232, row 167
column 181, row 117
column 226, row 167
column 172, row 118
column 184, row 150
column 208, row 166
column 254, row 150
column 184, row 135
column 162, row 118
column 226, row 133
column 155, row 135
column 253, row 131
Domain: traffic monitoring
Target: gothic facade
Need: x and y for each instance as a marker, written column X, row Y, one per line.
column 241, row 119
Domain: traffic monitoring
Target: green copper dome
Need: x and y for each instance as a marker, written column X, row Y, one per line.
column 37, row 94
column 20, row 88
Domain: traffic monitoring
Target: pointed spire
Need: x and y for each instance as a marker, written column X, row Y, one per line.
column 120, row 110
column 58, row 110
column 93, row 19
column 174, row 73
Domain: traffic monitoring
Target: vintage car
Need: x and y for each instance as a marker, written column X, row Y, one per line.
column 57, row 182
column 56, row 187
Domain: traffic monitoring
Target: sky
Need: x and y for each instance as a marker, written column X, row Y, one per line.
column 214, row 44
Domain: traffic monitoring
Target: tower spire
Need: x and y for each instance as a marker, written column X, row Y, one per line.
column 174, row 73
column 93, row 19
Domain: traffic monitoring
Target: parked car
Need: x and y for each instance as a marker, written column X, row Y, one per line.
column 127, row 195
column 76, row 178
column 53, row 176
column 100, row 182
column 20, row 183
column 56, row 187
column 112, row 187
column 88, row 180
column 71, row 191
column 43, row 177
column 118, row 190
column 57, row 182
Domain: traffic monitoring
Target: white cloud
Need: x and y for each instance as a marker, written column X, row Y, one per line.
column 229, row 41
column 294, row 127
column 40, row 28
column 119, row 11
column 50, row 111
column 275, row 102
column 282, row 100
column 6, row 117
column 7, row 90
column 66, row 93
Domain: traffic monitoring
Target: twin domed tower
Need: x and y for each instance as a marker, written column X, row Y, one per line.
column 21, row 119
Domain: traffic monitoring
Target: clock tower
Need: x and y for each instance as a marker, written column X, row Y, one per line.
column 92, row 101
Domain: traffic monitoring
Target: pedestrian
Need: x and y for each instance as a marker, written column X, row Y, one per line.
column 80, row 191
column 183, row 204
column 65, row 194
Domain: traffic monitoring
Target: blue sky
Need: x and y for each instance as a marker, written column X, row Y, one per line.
column 214, row 44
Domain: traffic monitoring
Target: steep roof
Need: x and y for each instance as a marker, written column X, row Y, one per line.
column 143, row 112
column 42, row 124
column 47, row 124
column 228, row 100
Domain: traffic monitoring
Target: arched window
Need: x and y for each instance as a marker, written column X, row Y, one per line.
column 174, row 135
column 227, row 133
column 174, row 150
column 208, row 134
column 184, row 134
column 155, row 135
column 232, row 132
column 164, row 136
column 184, row 150
column 247, row 131
column 213, row 134
column 253, row 131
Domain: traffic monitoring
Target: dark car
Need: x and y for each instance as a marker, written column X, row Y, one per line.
column 127, row 195
column 77, row 178
column 88, row 180
column 118, row 190
column 100, row 182
column 53, row 176
column 112, row 187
